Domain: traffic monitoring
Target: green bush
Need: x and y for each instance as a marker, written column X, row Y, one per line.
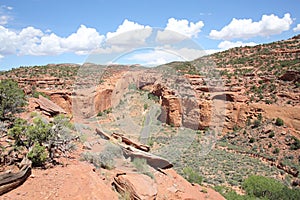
column 279, row 122
column 230, row 194
column 36, row 94
column 260, row 186
column 12, row 98
column 268, row 188
column 192, row 176
column 38, row 155
column 252, row 140
column 296, row 144
column 153, row 97
column 104, row 112
column 39, row 131
column 18, row 131
column 276, row 150
column 272, row 134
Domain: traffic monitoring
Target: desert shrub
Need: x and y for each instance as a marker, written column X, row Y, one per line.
column 256, row 123
column 252, row 140
column 268, row 188
column 231, row 194
column 105, row 159
column 153, row 97
column 272, row 134
column 145, row 106
column 142, row 167
column 36, row 94
column 296, row 144
column 260, row 186
column 12, row 98
column 279, row 122
column 104, row 112
column 267, row 101
column 39, row 131
column 38, row 155
column 62, row 127
column 192, row 176
column 41, row 134
column 17, row 132
column 276, row 150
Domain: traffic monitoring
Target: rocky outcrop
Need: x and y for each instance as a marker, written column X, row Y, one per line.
column 62, row 98
column 171, row 185
column 103, row 99
column 152, row 160
column 137, row 186
column 48, row 107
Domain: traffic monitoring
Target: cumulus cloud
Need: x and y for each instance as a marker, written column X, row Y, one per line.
column 246, row 28
column 84, row 40
column 227, row 44
column 177, row 30
column 184, row 27
column 129, row 34
column 32, row 41
column 297, row 28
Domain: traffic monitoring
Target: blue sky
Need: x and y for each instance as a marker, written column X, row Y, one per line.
column 38, row 32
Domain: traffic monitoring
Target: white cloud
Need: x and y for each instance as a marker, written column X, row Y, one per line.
column 9, row 8
column 227, row 44
column 129, row 34
column 246, row 28
column 32, row 41
column 4, row 19
column 297, row 28
column 126, row 27
column 177, row 30
column 184, row 27
column 84, row 40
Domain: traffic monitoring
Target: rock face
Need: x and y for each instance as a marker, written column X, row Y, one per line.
column 138, row 186
column 103, row 99
column 48, row 107
column 166, row 185
column 172, row 186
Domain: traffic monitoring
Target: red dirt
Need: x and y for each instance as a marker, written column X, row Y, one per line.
column 76, row 180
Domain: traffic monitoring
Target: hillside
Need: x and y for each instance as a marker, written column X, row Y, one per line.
column 225, row 116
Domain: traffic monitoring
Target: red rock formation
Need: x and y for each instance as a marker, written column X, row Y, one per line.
column 138, row 186
column 48, row 107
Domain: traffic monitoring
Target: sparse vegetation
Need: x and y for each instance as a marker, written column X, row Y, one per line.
column 106, row 158
column 191, row 175
column 12, row 99
column 41, row 134
column 279, row 122
column 142, row 167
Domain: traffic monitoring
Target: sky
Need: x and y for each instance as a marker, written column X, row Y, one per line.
column 39, row 32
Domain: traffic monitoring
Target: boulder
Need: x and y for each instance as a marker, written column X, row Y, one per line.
column 138, row 186
column 50, row 108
